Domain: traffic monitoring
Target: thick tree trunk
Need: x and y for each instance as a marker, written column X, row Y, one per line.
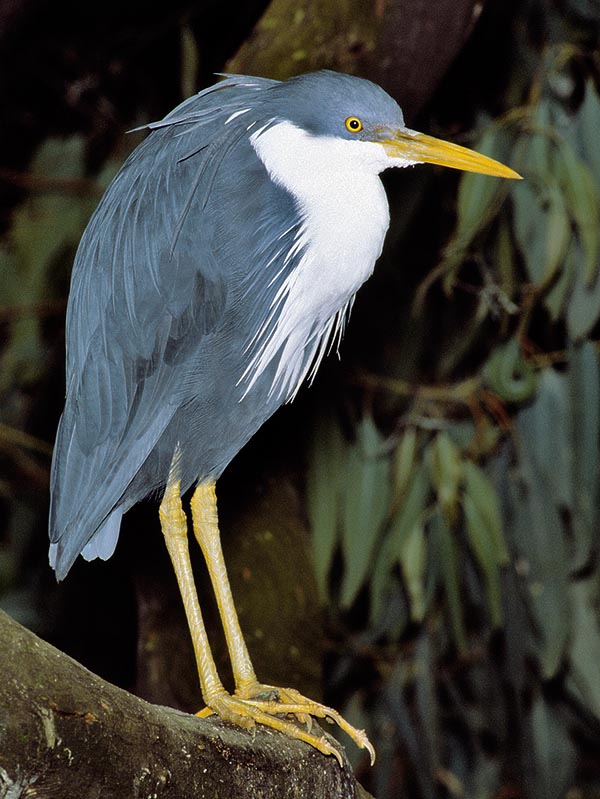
column 405, row 45
column 66, row 733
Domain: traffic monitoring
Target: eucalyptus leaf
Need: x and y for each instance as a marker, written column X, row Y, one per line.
column 508, row 374
column 553, row 761
column 549, row 455
column 557, row 298
column 411, row 510
column 583, row 203
column 190, row 61
column 365, row 505
column 447, row 554
column 557, row 233
column 324, row 481
column 479, row 200
column 413, row 561
column 542, row 228
column 537, row 145
column 583, row 675
column 583, row 304
column 589, row 124
column 539, row 544
column 486, row 555
column 404, row 458
column 446, row 473
column 47, row 223
column 480, row 491
column 584, row 449
column 411, row 734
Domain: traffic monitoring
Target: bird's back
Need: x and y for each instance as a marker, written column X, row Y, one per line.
column 167, row 288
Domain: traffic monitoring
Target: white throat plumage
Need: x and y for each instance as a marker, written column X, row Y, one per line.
column 345, row 216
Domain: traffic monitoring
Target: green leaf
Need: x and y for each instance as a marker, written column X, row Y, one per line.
column 549, row 456
column 557, row 233
column 448, row 563
column 583, row 306
column 486, row 555
column 479, row 200
column 446, row 471
column 536, row 526
column 365, row 505
column 484, row 532
column 542, row 228
column 535, row 145
column 405, row 542
column 583, row 441
column 481, row 492
column 324, row 480
column 404, row 458
column 583, row 203
column 411, row 510
column 47, row 223
column 508, row 374
column 557, row 298
column 583, row 676
column 413, row 560
column 588, row 118
column 554, row 755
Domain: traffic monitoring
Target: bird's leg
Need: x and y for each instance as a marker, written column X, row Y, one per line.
column 261, row 703
column 174, row 526
column 206, row 529
column 175, row 530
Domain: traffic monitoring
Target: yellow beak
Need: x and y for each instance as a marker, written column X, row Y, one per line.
column 421, row 149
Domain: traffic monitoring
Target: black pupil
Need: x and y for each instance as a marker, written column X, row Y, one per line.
column 354, row 124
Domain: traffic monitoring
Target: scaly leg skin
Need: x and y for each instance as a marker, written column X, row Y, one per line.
column 252, row 701
column 174, row 526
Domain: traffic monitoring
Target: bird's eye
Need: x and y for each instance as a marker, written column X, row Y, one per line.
column 353, row 124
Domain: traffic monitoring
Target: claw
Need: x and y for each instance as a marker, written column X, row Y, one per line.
column 246, row 708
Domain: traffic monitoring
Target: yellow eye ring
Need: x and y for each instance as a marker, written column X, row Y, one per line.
column 354, row 125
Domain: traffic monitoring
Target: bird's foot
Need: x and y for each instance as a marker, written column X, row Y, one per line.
column 266, row 704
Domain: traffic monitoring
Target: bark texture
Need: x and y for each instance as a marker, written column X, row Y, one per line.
column 64, row 732
column 405, row 45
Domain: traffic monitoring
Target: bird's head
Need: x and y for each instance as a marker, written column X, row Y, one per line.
column 344, row 108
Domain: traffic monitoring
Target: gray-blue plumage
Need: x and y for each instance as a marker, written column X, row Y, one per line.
column 176, row 289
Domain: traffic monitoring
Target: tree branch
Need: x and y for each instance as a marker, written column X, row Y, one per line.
column 66, row 732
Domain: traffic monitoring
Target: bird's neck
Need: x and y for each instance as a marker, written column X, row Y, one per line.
column 336, row 187
column 345, row 215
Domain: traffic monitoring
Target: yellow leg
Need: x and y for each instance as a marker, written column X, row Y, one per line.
column 206, row 529
column 174, row 526
column 252, row 700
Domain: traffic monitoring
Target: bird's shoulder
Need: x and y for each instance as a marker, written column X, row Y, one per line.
column 190, row 227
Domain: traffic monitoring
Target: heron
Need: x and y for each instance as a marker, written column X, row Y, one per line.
column 217, row 271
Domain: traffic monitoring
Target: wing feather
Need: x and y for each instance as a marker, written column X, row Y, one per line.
column 162, row 273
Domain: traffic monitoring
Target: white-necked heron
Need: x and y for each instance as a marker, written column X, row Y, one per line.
column 219, row 267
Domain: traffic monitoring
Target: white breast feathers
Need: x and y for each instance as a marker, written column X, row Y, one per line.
column 345, row 216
